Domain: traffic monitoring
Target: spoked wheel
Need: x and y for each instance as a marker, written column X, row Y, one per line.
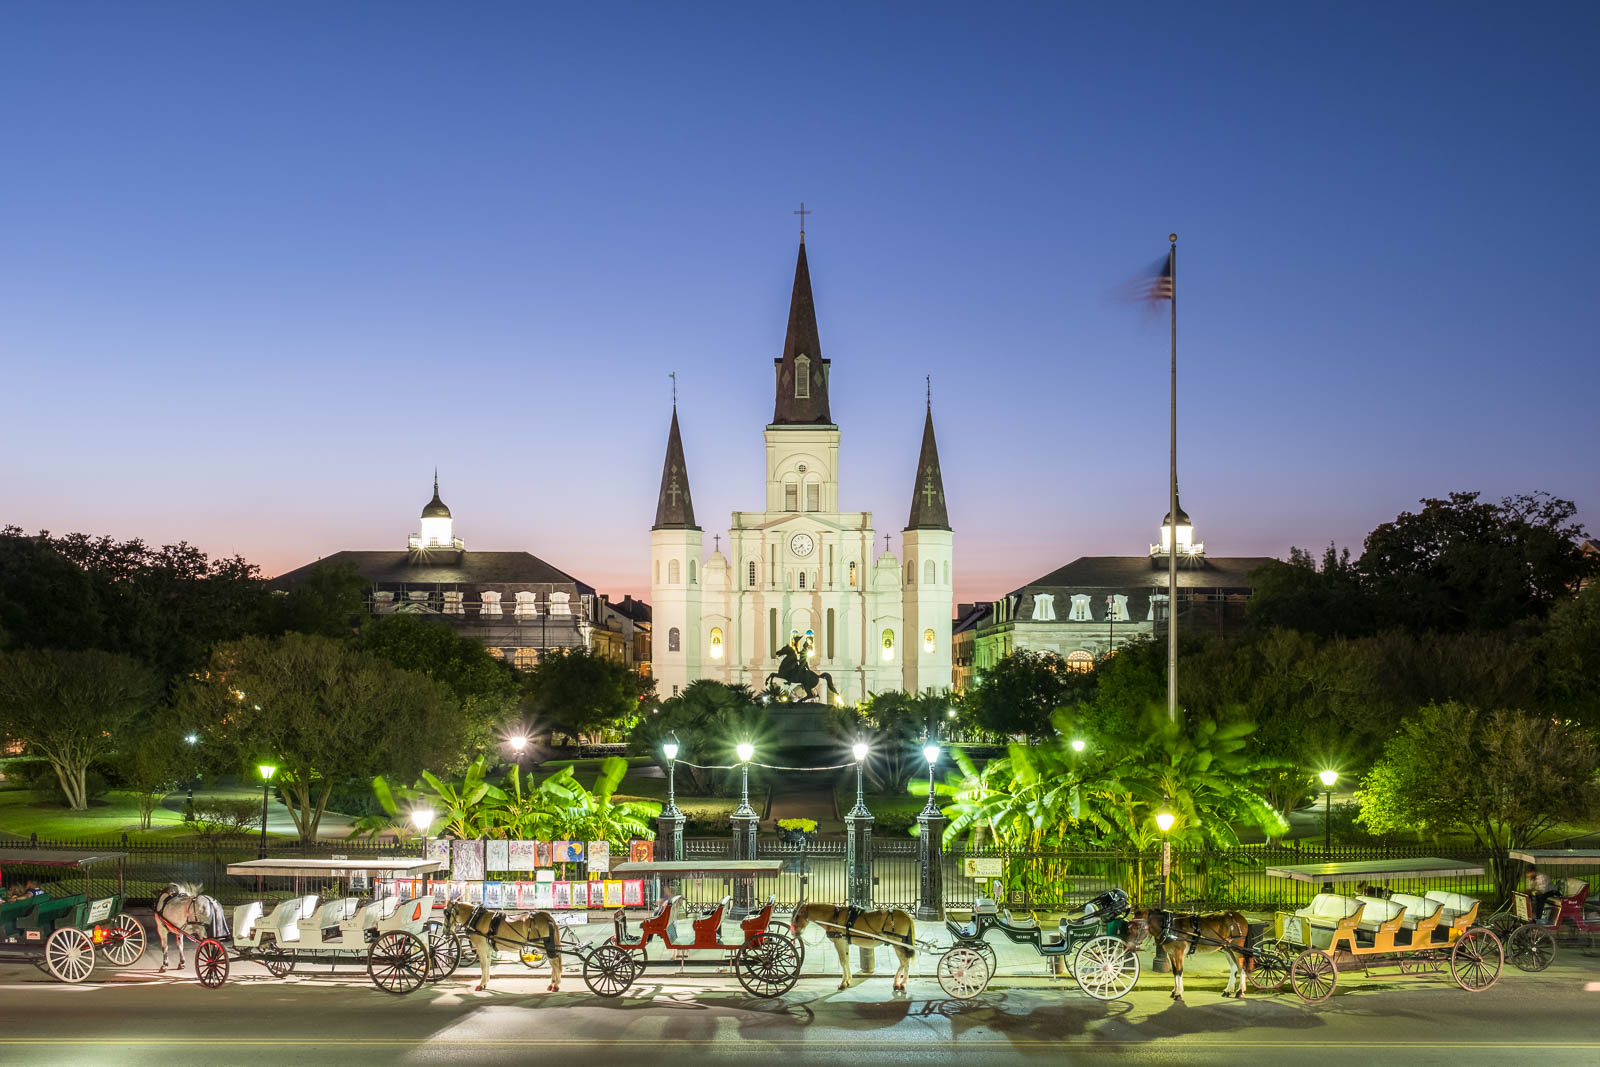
column 768, row 965
column 444, row 951
column 963, row 972
column 124, row 941
column 398, row 962
column 69, row 954
column 1313, row 976
column 608, row 971
column 1105, row 968
column 279, row 962
column 1269, row 968
column 533, row 955
column 1503, row 924
column 211, row 963
column 1531, row 947
column 1476, row 959
column 783, row 929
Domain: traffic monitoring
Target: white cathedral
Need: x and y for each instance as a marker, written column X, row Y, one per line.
column 800, row 570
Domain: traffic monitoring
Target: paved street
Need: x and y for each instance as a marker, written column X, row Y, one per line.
column 140, row 1018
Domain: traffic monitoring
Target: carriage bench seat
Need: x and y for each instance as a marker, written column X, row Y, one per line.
column 1328, row 910
column 1377, row 911
column 709, row 926
column 286, row 918
column 1456, row 909
column 13, row 912
column 1420, row 911
column 1026, row 922
column 757, row 922
column 52, row 914
column 245, row 918
column 659, row 923
column 1573, row 889
column 984, row 906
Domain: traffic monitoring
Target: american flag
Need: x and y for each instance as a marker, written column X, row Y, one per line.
column 1161, row 285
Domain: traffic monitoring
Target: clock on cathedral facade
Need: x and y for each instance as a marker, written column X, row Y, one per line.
column 800, row 568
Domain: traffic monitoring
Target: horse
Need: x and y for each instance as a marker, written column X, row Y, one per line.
column 182, row 909
column 485, row 928
column 1179, row 935
column 845, row 925
column 794, row 668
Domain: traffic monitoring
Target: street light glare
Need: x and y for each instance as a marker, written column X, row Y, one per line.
column 859, row 750
column 746, row 751
column 1329, row 777
column 1164, row 820
column 519, row 742
column 267, row 771
column 422, row 818
column 670, row 750
column 193, row 739
column 931, row 753
column 1078, row 744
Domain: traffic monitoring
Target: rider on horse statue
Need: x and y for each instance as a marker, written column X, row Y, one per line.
column 794, row 666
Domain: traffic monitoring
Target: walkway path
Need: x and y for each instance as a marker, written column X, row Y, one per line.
column 814, row 804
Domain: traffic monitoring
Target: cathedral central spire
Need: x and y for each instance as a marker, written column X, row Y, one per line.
column 802, row 398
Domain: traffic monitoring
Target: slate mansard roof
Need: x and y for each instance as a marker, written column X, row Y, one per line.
column 452, row 568
column 1136, row 577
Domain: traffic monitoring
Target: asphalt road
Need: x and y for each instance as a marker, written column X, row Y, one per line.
column 141, row 1018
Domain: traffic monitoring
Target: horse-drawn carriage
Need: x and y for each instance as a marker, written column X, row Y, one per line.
column 1434, row 932
column 396, row 941
column 1530, row 940
column 63, row 933
column 1086, row 946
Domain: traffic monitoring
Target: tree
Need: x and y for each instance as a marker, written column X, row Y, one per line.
column 1569, row 652
column 322, row 713
column 1298, row 595
column 1462, row 564
column 486, row 689
column 46, row 600
column 1507, row 777
column 706, row 720
column 153, row 760
column 896, row 725
column 1019, row 693
column 330, row 601
column 70, row 708
column 580, row 691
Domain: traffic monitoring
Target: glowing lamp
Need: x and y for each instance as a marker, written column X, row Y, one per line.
column 1078, row 744
column 931, row 754
column 746, row 751
column 1164, row 820
column 670, row 750
column 950, row 714
column 267, row 771
column 519, row 743
column 1329, row 777
column 191, row 739
column 859, row 750
column 422, row 818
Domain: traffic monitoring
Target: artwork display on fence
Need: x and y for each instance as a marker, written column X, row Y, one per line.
column 439, row 852
column 440, row 892
column 562, row 894
column 641, row 851
column 473, row 893
column 613, row 893
column 633, row 893
column 567, row 851
column 523, row 855
column 497, row 856
column 467, row 859
column 599, row 857
column 543, row 854
column 493, row 895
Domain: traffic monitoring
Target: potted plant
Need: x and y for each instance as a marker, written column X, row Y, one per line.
column 796, row 831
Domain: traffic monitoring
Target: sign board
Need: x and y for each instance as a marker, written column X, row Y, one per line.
column 983, row 867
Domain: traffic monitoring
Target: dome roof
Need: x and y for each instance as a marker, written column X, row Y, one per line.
column 435, row 508
column 1183, row 517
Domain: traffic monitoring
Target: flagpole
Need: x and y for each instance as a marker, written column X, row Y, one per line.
column 1172, row 505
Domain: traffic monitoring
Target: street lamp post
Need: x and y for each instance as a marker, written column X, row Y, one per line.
column 188, row 801
column 1164, row 821
column 422, row 819
column 930, row 848
column 744, row 830
column 519, row 744
column 1329, row 778
column 267, row 770
column 670, row 821
column 858, row 840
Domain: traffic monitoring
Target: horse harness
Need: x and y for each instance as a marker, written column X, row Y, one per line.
column 852, row 913
column 550, row 942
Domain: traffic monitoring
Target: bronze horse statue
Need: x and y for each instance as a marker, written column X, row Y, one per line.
column 794, row 668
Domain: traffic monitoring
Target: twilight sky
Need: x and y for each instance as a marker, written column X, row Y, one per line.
column 262, row 266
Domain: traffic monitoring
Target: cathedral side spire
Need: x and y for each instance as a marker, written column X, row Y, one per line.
column 802, row 398
column 928, row 510
column 674, row 508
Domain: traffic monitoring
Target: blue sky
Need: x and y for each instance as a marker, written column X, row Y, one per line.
column 264, row 265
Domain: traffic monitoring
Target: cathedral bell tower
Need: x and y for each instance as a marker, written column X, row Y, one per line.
column 929, row 595
column 675, row 591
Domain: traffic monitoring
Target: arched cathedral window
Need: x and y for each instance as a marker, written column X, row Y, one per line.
column 752, row 573
column 716, row 642
column 673, row 640
column 888, row 644
column 673, row 575
column 802, row 377
column 929, row 573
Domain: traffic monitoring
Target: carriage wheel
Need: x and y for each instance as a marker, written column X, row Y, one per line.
column 1531, row 947
column 1503, row 924
column 1476, row 959
column 608, row 971
column 444, row 951
column 783, row 929
column 69, row 954
column 211, row 963
column 963, row 972
column 279, row 962
column 1105, row 968
column 124, row 941
column 533, row 955
column 1269, row 968
column 398, row 962
column 768, row 965
column 1313, row 976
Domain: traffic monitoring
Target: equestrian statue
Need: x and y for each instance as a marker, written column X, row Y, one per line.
column 794, row 667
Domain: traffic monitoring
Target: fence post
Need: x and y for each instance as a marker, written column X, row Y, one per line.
column 744, row 821
column 669, row 833
column 858, row 856
column 930, row 854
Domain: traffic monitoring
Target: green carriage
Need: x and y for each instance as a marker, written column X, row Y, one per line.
column 64, row 932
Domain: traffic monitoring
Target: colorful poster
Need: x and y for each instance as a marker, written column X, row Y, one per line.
column 567, row 851
column 641, row 851
column 544, row 895
column 599, row 857
column 527, row 896
column 633, row 893
column 497, row 856
column 562, row 897
column 439, row 852
column 474, row 893
column 458, row 890
column 440, row 892
column 466, row 859
column 522, row 856
column 492, row 895
column 543, row 854
column 613, row 893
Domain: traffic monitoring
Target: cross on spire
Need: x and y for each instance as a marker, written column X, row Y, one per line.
column 803, row 213
column 674, row 376
column 928, row 379
column 929, row 493
column 717, row 539
column 672, row 486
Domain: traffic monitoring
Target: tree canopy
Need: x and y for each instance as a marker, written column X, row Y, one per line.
column 580, row 691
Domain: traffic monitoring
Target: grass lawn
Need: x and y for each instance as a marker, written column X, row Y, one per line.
column 24, row 812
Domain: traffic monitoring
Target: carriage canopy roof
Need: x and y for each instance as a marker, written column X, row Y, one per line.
column 715, row 868
column 1363, row 870
column 1557, row 857
column 402, row 866
column 37, row 857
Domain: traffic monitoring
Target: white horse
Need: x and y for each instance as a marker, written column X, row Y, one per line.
column 183, row 910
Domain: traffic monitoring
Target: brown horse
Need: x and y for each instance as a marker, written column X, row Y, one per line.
column 1180, row 935
column 488, row 930
column 847, row 926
